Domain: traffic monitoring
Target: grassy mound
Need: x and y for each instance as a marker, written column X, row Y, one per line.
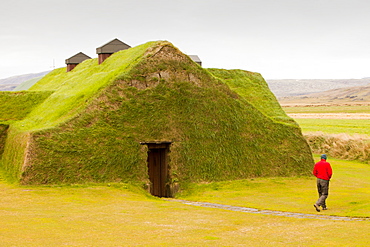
column 91, row 127
column 17, row 105
column 253, row 88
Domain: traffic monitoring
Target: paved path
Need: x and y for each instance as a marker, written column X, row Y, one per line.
column 270, row 212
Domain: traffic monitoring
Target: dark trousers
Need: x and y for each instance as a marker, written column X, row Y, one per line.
column 323, row 189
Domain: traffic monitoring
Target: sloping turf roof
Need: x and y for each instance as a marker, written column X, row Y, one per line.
column 223, row 124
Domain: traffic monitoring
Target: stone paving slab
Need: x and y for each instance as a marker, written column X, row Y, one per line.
column 269, row 212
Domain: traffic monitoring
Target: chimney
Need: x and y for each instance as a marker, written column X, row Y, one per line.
column 196, row 59
column 73, row 61
column 109, row 48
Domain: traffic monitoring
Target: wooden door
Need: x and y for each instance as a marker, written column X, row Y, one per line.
column 157, row 169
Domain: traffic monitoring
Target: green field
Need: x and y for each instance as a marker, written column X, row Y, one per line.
column 350, row 194
column 332, row 126
column 123, row 215
column 335, row 126
column 329, row 109
column 340, row 138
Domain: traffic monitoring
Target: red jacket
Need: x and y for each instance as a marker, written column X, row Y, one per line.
column 322, row 170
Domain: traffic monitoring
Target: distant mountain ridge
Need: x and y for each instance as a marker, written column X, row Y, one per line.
column 10, row 83
column 281, row 88
column 297, row 87
column 354, row 95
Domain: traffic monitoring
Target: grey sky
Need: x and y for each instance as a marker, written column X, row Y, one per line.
column 278, row 38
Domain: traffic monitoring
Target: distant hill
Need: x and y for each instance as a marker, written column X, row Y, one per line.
column 27, row 84
column 296, row 87
column 9, row 84
column 359, row 94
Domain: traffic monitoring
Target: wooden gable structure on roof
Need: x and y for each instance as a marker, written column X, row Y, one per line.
column 109, row 48
column 73, row 61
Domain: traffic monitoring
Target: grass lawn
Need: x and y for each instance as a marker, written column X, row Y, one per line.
column 349, row 192
column 122, row 215
column 335, row 126
column 329, row 109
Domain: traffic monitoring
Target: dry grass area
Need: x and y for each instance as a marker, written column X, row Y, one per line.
column 308, row 103
column 349, row 194
column 342, row 146
column 303, row 106
column 123, row 215
column 330, row 115
column 341, row 130
column 103, row 216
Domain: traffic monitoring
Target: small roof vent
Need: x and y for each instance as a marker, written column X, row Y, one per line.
column 196, row 59
column 73, row 61
column 112, row 47
column 109, row 48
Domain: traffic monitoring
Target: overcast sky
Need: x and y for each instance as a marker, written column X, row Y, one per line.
column 281, row 39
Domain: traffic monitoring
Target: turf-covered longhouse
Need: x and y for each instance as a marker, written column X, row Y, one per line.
column 150, row 114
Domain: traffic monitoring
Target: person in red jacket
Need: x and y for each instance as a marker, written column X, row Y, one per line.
column 323, row 172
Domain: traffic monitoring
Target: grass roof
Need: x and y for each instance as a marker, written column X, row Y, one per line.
column 222, row 124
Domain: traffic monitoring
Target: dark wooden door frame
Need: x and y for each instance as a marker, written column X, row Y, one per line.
column 158, row 168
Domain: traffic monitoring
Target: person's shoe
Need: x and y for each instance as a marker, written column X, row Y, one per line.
column 317, row 207
column 325, row 208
